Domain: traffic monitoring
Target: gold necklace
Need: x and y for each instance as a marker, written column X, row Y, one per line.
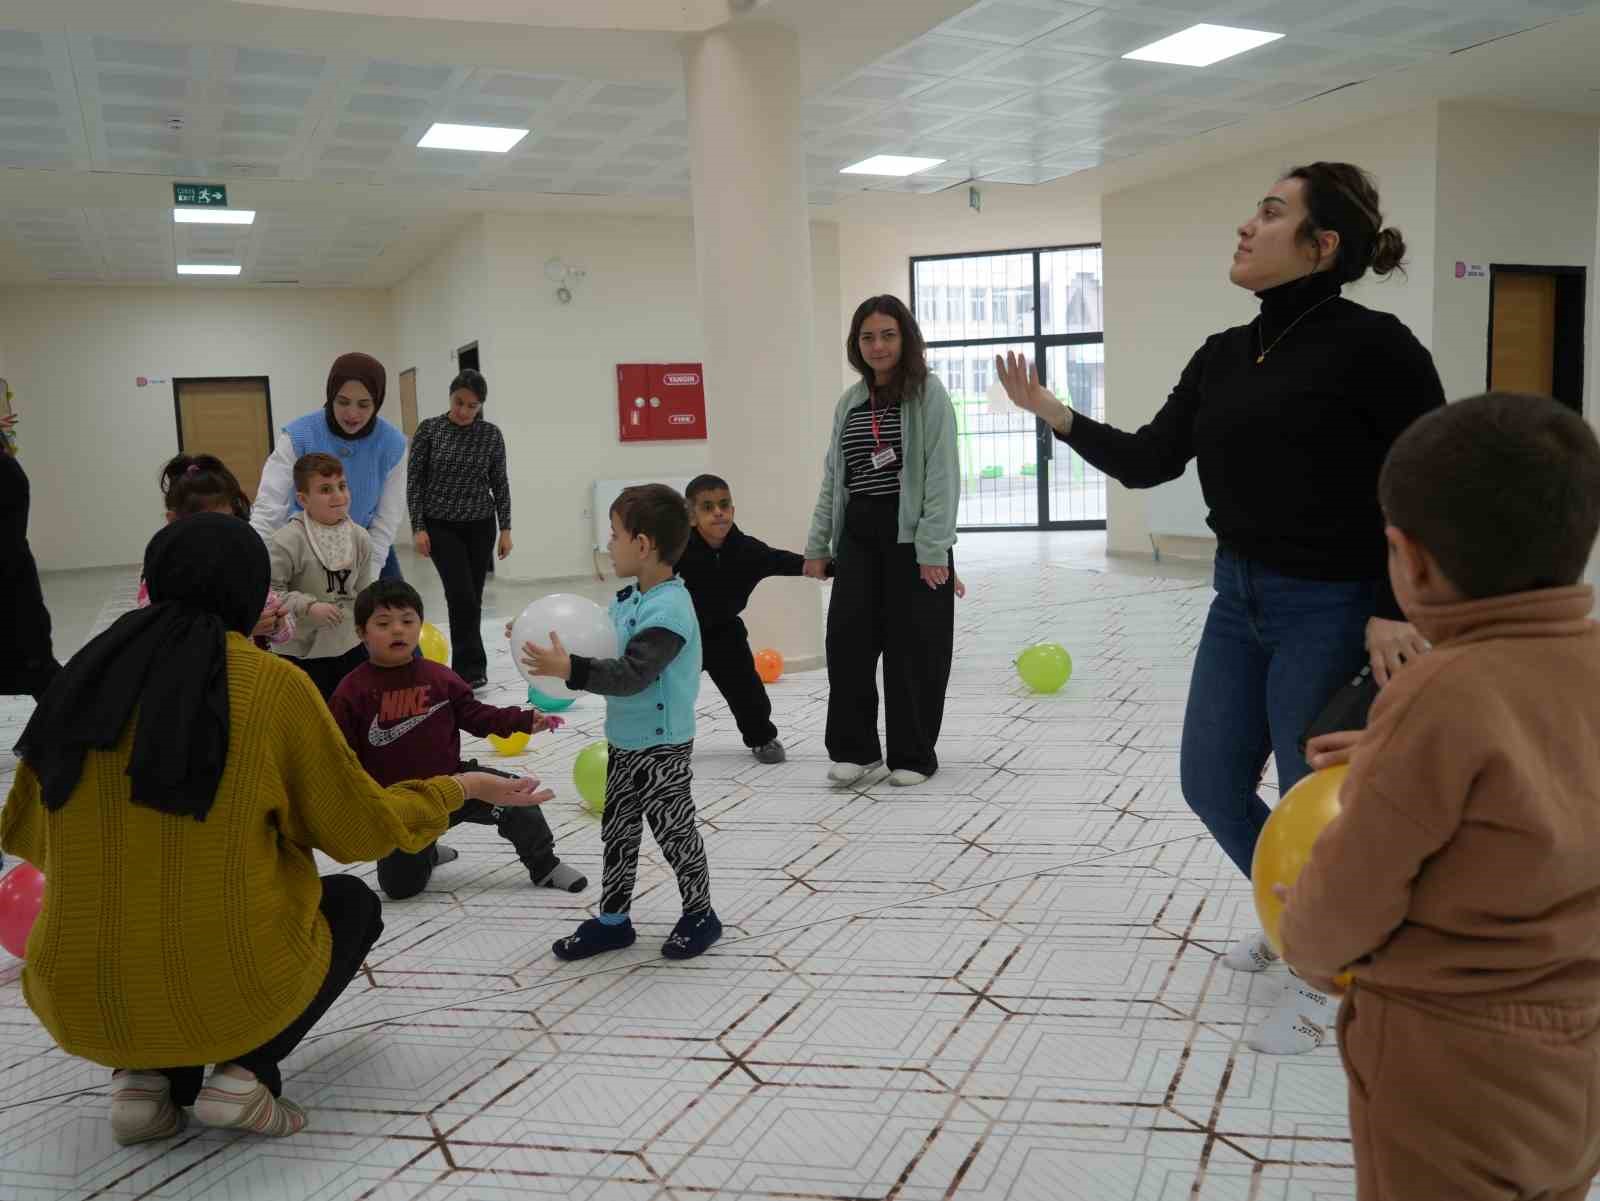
column 1266, row 350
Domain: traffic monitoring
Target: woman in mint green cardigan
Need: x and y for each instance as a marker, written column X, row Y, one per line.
column 886, row 518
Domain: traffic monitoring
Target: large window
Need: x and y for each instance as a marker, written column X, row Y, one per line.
column 1045, row 304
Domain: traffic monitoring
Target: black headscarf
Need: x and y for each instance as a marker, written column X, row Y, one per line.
column 367, row 371
column 208, row 574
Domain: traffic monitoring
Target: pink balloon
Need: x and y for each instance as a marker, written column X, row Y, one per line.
column 21, row 897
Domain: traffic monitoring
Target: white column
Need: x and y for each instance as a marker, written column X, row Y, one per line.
column 753, row 248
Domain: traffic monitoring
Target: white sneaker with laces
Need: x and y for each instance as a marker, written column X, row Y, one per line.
column 1253, row 954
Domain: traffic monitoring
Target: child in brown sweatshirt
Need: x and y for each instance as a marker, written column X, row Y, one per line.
column 1460, row 884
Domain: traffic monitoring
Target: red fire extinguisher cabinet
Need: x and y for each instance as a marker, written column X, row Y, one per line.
column 661, row 402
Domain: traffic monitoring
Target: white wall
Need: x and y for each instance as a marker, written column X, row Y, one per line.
column 551, row 367
column 1514, row 187
column 1167, row 250
column 444, row 305
column 93, row 442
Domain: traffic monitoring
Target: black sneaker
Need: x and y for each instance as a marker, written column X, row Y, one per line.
column 594, row 937
column 692, row 936
column 478, row 682
column 772, row 752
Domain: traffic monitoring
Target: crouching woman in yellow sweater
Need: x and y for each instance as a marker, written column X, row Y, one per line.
column 174, row 783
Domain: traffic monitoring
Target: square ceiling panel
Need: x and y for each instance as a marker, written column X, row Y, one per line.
column 620, row 95
column 19, row 43
column 370, row 131
column 161, row 56
column 934, row 54
column 383, row 104
column 584, row 121
column 405, row 77
column 881, row 86
column 278, row 64
column 1039, row 68
column 968, row 96
column 21, row 108
column 148, row 87
column 1011, row 22
column 522, row 87
column 1107, row 35
column 267, row 95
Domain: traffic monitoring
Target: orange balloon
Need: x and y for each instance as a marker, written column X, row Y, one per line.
column 769, row 666
column 1286, row 841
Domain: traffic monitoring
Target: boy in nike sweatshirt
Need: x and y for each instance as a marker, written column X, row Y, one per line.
column 403, row 717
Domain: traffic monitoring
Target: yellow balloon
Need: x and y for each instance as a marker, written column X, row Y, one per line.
column 1286, row 840
column 511, row 744
column 434, row 646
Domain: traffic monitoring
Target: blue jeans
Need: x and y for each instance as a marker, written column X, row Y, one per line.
column 391, row 567
column 1274, row 651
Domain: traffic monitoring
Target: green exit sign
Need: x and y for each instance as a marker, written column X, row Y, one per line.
column 200, row 195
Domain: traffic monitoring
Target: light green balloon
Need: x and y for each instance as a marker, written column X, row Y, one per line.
column 1046, row 667
column 589, row 774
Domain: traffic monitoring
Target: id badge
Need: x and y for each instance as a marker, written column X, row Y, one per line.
column 884, row 457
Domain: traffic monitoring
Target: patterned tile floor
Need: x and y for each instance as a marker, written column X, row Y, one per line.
column 1004, row 985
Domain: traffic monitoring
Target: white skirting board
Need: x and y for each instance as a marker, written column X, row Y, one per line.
column 607, row 491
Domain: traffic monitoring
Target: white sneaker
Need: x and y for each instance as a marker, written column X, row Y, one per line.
column 905, row 778
column 1298, row 1023
column 849, row 773
column 1253, row 954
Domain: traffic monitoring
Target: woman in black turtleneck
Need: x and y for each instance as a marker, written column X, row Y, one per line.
column 1289, row 419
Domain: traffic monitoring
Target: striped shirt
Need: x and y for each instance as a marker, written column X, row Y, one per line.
column 858, row 444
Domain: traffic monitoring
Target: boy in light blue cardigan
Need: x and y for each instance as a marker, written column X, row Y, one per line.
column 650, row 696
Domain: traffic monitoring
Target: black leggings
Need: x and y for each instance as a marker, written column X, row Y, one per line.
column 462, row 552
column 354, row 916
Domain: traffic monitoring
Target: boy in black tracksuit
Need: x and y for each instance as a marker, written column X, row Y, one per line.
column 721, row 568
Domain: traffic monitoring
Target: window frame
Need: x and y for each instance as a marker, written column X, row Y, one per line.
column 1044, row 444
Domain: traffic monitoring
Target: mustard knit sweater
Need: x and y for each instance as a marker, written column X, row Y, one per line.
column 168, row 942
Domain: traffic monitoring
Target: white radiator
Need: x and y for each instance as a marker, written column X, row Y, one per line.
column 607, row 491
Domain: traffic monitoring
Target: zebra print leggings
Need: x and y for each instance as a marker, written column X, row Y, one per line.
column 654, row 785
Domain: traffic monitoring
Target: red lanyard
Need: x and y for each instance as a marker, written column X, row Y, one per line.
column 872, row 405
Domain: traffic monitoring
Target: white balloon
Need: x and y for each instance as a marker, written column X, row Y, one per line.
column 583, row 627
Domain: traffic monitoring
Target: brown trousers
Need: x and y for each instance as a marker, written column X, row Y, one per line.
column 1501, row 1103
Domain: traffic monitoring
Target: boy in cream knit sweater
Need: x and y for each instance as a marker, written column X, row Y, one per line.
column 321, row 560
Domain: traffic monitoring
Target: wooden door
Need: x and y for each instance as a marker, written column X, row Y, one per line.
column 229, row 418
column 1523, row 333
column 408, row 401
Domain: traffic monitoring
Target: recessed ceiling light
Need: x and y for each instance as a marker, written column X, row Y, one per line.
column 894, row 165
column 491, row 139
column 1202, row 45
column 188, row 216
column 208, row 269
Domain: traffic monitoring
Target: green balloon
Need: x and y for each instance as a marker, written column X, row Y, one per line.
column 589, row 774
column 1046, row 667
